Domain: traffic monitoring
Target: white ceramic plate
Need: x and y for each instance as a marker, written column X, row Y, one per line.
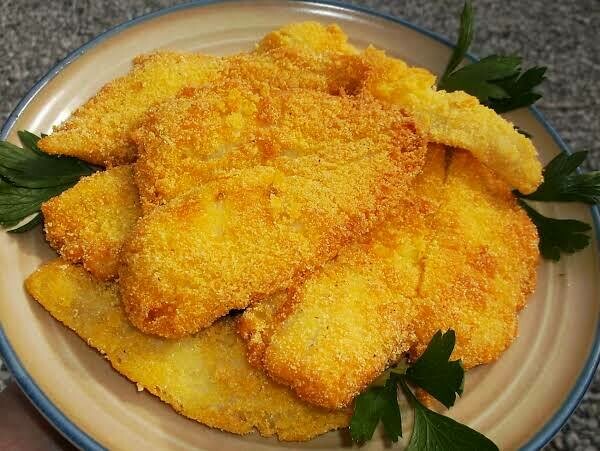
column 519, row 402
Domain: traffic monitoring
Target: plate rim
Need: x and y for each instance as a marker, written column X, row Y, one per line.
column 79, row 437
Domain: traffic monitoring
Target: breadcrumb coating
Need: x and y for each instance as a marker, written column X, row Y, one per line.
column 307, row 55
column 205, row 377
column 456, row 119
column 98, row 131
column 206, row 133
column 300, row 55
column 480, row 267
column 310, row 37
column 460, row 254
column 89, row 222
column 241, row 238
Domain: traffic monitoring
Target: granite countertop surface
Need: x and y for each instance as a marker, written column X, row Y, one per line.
column 560, row 35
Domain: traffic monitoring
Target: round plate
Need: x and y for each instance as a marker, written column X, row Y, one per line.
column 520, row 401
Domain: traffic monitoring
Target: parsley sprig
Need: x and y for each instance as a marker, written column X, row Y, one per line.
column 563, row 183
column 558, row 236
column 441, row 378
column 29, row 177
column 497, row 81
column 433, row 431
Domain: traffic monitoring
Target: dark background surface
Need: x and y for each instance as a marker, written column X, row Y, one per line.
column 34, row 35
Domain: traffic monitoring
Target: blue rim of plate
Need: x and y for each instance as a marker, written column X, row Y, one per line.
column 82, row 440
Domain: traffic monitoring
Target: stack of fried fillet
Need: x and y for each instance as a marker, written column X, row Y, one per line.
column 346, row 206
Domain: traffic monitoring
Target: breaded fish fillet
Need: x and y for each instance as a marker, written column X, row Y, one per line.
column 205, row 377
column 456, row 119
column 88, row 223
column 206, row 133
column 98, row 131
column 344, row 326
column 234, row 240
column 310, row 36
column 460, row 255
column 480, row 266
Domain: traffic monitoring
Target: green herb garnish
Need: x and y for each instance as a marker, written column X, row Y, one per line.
column 558, row 235
column 29, row 177
column 497, row 81
column 435, row 374
column 563, row 184
column 433, row 431
column 374, row 405
column 465, row 38
column 441, row 378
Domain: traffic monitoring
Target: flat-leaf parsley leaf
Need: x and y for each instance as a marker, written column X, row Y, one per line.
column 558, row 235
column 435, row 432
column 563, row 184
column 440, row 378
column 497, row 81
column 374, row 405
column 433, row 371
column 29, row 177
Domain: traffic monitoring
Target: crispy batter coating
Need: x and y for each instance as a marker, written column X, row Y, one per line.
column 456, row 119
column 205, row 377
column 98, row 131
column 88, row 223
column 343, row 327
column 480, row 266
column 310, row 37
column 460, row 254
column 206, row 133
column 238, row 239
column 307, row 55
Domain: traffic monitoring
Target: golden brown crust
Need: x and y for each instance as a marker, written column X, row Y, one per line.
column 480, row 267
column 321, row 184
column 205, row 377
column 299, row 55
column 89, row 223
column 310, row 37
column 306, row 55
column 207, row 133
column 344, row 325
column 456, row 119
column 460, row 254
column 98, row 131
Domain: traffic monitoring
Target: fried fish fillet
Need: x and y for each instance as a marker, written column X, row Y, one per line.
column 310, row 36
column 206, row 133
column 344, row 325
column 88, row 223
column 460, row 255
column 234, row 240
column 456, row 119
column 480, row 267
column 205, row 377
column 98, row 131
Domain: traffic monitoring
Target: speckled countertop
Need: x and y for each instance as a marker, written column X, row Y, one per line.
column 560, row 35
